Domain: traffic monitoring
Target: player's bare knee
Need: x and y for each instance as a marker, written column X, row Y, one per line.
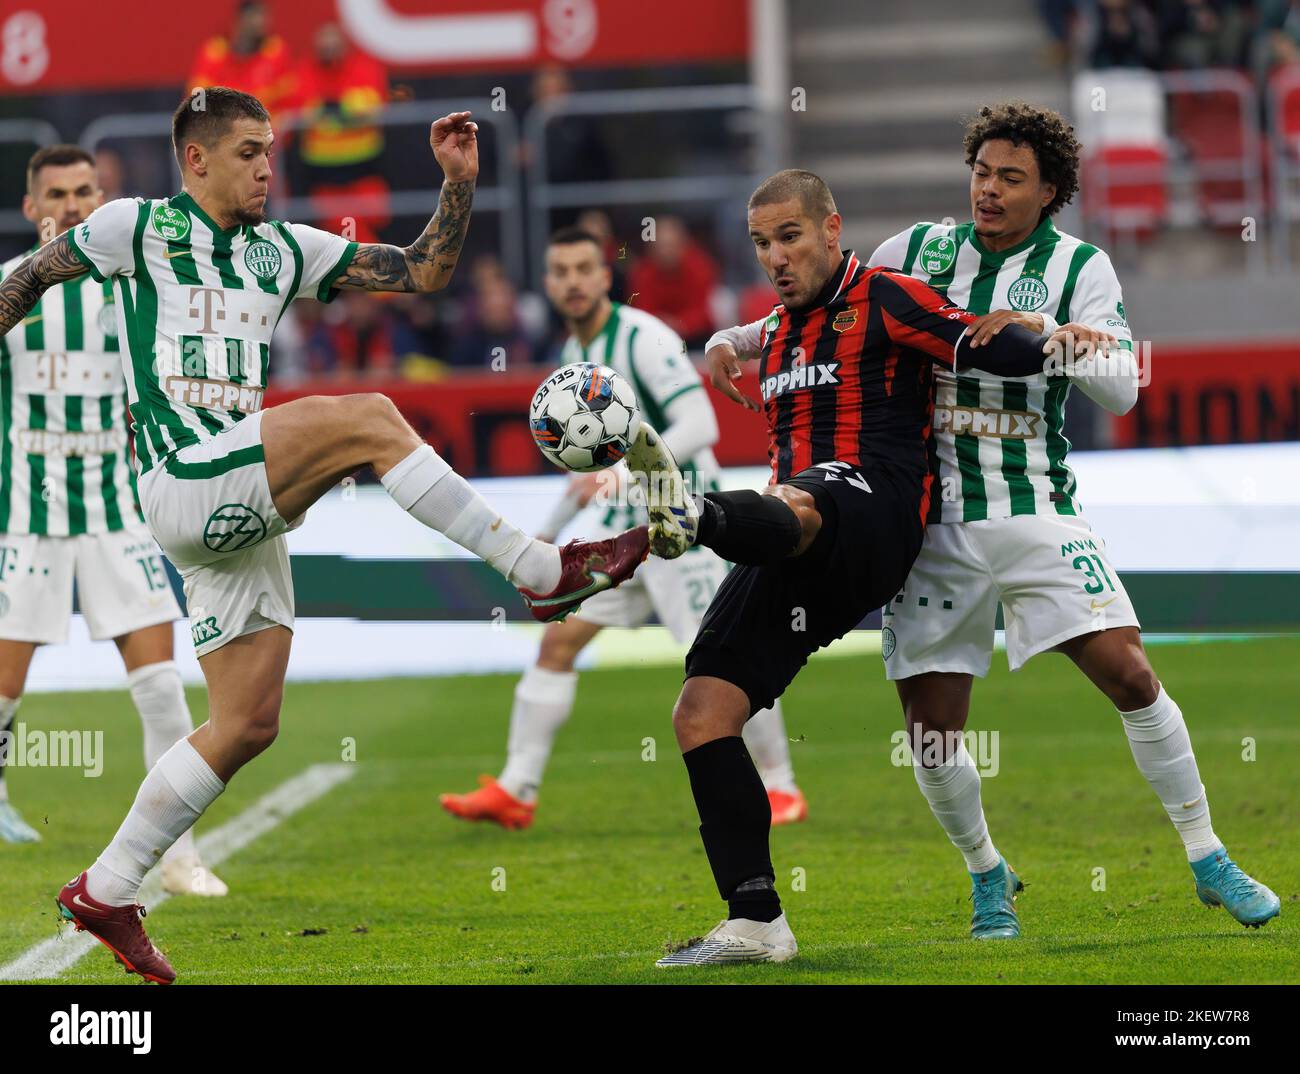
column 260, row 731
column 556, row 653
column 1134, row 685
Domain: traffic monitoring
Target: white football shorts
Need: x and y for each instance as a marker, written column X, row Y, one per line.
column 122, row 585
column 1050, row 573
column 210, row 508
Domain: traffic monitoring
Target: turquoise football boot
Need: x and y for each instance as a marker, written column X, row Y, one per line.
column 13, row 829
column 994, row 896
column 1221, row 882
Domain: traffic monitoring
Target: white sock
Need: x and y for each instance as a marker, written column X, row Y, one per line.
column 953, row 791
column 768, row 745
column 8, row 708
column 172, row 797
column 543, row 701
column 425, row 486
column 1162, row 749
column 159, row 697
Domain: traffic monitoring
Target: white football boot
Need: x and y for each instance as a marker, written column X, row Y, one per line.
column 13, row 829
column 738, row 940
column 189, row 876
column 674, row 517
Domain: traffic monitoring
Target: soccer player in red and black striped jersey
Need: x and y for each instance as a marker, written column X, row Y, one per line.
column 845, row 376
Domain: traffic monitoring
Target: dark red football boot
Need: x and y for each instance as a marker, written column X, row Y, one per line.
column 118, row 928
column 588, row 568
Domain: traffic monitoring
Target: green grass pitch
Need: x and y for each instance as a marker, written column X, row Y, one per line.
column 390, row 889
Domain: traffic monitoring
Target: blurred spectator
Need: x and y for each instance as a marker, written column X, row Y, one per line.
column 1059, row 16
column 491, row 329
column 675, row 281
column 1279, row 34
column 597, row 222
column 576, row 149
column 419, row 328
column 108, row 166
column 1125, row 35
column 251, row 59
column 354, row 339
column 340, row 92
column 1203, row 33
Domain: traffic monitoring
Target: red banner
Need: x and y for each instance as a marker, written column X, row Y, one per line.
column 479, row 423
column 1222, row 394
column 51, row 45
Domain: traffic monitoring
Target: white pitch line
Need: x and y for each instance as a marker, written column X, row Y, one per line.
column 51, row 958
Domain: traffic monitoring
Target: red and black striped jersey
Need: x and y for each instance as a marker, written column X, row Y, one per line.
column 848, row 378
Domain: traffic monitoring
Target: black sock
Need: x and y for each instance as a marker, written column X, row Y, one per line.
column 747, row 527
column 755, row 900
column 735, row 819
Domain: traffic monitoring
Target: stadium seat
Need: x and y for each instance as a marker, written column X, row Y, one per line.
column 1120, row 116
column 1212, row 129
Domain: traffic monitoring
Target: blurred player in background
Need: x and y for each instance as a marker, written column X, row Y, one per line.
column 651, row 357
column 1005, row 525
column 203, row 277
column 68, row 500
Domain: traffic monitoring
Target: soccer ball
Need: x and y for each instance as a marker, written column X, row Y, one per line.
column 584, row 417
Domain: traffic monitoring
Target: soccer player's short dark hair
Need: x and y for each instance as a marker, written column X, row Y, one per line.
column 205, row 114
column 55, row 156
column 1045, row 132
column 572, row 235
column 811, row 190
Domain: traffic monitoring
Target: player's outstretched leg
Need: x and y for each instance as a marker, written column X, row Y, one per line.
column 768, row 744
column 935, row 706
column 159, row 697
column 1116, row 663
column 312, row 443
column 13, row 829
column 542, row 705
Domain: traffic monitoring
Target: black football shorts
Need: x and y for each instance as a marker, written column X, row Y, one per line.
column 764, row 622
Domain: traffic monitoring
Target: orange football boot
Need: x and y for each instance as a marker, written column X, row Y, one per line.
column 787, row 808
column 490, row 802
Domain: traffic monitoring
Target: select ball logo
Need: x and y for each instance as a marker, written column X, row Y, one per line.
column 583, row 417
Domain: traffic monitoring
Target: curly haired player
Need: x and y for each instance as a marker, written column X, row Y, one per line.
column 1005, row 525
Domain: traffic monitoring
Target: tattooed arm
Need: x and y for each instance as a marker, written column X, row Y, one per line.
column 21, row 289
column 427, row 264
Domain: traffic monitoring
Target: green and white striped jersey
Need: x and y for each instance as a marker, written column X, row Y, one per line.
column 197, row 305
column 999, row 445
column 652, row 358
column 65, row 467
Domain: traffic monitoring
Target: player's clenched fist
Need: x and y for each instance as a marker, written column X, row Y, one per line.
column 454, row 139
column 724, row 368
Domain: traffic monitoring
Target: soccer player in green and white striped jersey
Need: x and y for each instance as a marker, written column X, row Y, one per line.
column 68, row 500
column 200, row 280
column 1006, row 526
column 652, row 358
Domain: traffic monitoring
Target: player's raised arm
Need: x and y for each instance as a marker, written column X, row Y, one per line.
column 21, row 289
column 427, row 264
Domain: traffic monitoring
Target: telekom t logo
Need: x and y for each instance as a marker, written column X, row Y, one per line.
column 210, row 295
